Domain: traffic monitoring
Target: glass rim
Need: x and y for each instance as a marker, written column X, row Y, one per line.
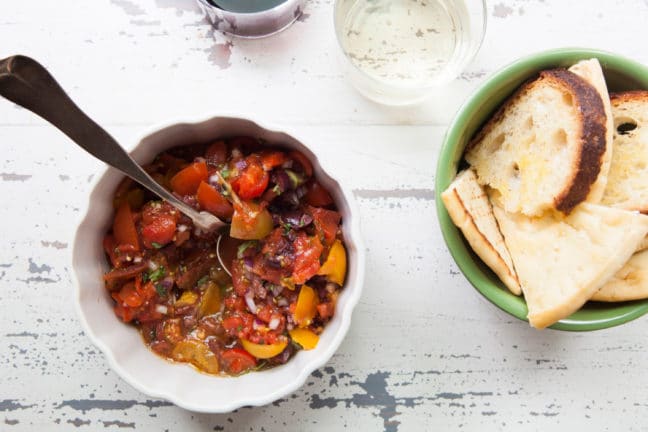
column 412, row 87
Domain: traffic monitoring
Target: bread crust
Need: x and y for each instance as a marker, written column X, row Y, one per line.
column 591, row 144
column 629, row 96
column 592, row 141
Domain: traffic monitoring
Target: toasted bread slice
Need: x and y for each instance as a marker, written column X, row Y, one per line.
column 628, row 178
column 545, row 146
column 562, row 261
column 629, row 283
column 590, row 70
column 470, row 210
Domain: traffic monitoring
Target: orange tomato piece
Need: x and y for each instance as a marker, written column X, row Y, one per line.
column 264, row 351
column 250, row 221
column 196, row 353
column 336, row 264
column 124, row 227
column 212, row 201
column 306, row 307
column 210, row 303
column 186, row 181
column 304, row 337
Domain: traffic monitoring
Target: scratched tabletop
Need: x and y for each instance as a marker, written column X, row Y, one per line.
column 424, row 352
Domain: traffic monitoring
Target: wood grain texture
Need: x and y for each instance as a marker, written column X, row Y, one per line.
column 425, row 351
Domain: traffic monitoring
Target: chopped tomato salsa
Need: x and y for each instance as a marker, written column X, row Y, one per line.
column 285, row 255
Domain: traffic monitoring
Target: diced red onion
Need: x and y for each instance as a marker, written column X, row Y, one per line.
column 213, row 179
column 152, row 265
column 282, row 302
column 182, row 228
column 167, row 283
column 282, row 180
column 257, row 324
column 240, row 164
column 276, row 290
column 161, row 309
column 274, row 323
column 249, row 300
column 137, row 259
column 300, row 191
column 248, row 261
column 285, row 355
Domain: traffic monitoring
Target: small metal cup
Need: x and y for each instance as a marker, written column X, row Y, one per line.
column 257, row 24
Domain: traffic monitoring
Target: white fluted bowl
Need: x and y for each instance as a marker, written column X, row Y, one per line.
column 122, row 344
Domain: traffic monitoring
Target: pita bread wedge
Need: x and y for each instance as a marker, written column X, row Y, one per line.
column 629, row 283
column 562, row 261
column 470, row 210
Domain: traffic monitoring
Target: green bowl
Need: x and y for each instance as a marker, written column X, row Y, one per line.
column 621, row 74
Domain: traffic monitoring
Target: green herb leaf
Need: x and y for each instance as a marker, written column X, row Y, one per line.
column 243, row 247
column 295, row 178
column 156, row 245
column 225, row 173
column 202, row 280
column 156, row 274
column 296, row 345
column 162, row 292
column 260, row 366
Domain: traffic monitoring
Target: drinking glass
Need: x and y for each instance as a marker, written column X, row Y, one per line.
column 397, row 52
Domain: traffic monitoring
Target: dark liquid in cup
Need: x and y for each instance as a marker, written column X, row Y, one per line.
column 246, row 6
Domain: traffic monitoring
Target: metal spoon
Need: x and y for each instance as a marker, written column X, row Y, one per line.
column 27, row 83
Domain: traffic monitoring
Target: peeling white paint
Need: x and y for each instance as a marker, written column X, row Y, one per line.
column 425, row 351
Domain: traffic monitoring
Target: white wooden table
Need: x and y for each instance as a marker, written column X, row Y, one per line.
column 425, row 351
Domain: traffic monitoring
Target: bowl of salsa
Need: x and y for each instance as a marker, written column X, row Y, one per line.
column 216, row 321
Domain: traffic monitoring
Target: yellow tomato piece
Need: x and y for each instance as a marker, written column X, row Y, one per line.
column 187, row 298
column 264, row 351
column 211, row 300
column 304, row 337
column 250, row 222
column 306, row 307
column 196, row 353
column 336, row 264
